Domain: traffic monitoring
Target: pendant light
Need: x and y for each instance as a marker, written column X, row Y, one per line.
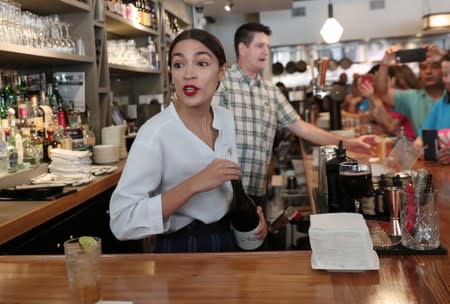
column 229, row 5
column 331, row 30
column 436, row 21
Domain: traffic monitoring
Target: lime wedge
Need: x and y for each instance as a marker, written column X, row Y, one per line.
column 86, row 242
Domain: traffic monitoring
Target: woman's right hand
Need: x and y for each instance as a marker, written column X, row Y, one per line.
column 216, row 173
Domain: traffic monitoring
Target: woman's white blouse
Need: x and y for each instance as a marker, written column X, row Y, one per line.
column 164, row 154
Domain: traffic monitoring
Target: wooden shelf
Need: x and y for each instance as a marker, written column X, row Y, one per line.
column 120, row 26
column 19, row 55
column 99, row 24
column 54, row 6
column 121, row 70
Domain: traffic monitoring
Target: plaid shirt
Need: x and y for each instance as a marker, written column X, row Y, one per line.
column 259, row 108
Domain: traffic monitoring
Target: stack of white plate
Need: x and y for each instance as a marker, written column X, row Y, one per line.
column 106, row 154
column 115, row 135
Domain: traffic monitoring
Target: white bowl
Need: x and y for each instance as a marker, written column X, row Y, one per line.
column 106, row 154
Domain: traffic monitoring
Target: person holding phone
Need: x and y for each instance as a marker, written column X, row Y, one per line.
column 390, row 122
column 175, row 183
column 413, row 103
column 439, row 117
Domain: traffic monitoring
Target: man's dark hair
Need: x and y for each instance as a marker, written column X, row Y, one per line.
column 246, row 32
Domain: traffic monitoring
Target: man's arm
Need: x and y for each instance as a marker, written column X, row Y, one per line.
column 307, row 131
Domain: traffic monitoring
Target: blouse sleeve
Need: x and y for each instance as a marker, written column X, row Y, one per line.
column 135, row 206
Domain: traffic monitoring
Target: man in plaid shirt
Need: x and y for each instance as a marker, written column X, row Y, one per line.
column 260, row 109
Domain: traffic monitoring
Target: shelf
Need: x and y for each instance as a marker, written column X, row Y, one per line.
column 120, row 26
column 19, row 55
column 99, row 24
column 54, row 6
column 120, row 70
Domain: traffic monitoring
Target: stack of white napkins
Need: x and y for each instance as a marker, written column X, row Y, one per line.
column 70, row 162
column 341, row 242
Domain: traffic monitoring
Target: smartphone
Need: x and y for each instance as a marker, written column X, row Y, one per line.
column 367, row 79
column 411, row 55
column 430, row 144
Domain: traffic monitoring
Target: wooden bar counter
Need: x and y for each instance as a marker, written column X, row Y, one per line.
column 260, row 277
column 18, row 217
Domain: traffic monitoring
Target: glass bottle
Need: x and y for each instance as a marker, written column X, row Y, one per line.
column 244, row 218
column 3, row 153
column 335, row 196
column 30, row 153
column 37, row 141
column 61, row 114
column 380, row 197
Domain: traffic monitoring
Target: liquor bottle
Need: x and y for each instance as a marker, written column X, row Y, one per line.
column 3, row 153
column 62, row 119
column 45, row 106
column 149, row 14
column 244, row 218
column 30, row 153
column 335, row 196
column 36, row 115
column 49, row 144
column 380, row 200
column 37, row 140
column 151, row 49
column 140, row 14
column 153, row 16
column 13, row 154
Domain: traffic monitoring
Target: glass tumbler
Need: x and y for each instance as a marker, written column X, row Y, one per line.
column 419, row 221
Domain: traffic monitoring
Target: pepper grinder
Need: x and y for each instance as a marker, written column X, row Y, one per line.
column 393, row 202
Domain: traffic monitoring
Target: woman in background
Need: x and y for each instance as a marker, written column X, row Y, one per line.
column 175, row 183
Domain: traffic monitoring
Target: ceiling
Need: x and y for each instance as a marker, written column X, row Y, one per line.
column 216, row 7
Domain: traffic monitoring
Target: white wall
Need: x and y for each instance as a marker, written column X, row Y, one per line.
column 224, row 29
column 398, row 18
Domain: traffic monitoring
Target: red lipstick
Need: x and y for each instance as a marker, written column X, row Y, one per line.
column 190, row 90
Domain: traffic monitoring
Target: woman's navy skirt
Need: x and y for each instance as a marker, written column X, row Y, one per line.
column 198, row 237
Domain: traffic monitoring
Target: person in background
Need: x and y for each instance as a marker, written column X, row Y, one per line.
column 404, row 78
column 390, row 122
column 439, row 116
column 415, row 104
column 175, row 183
column 260, row 109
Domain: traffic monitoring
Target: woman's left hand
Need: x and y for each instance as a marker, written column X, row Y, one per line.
column 261, row 229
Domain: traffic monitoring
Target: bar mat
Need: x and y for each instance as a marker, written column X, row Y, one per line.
column 399, row 249
column 383, row 244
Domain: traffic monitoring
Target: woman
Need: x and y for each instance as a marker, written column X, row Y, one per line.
column 439, row 116
column 175, row 183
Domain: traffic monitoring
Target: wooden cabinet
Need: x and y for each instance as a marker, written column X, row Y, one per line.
column 89, row 218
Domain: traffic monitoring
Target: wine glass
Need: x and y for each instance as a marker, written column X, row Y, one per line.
column 356, row 181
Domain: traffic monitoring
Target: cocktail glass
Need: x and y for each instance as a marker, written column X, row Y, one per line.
column 83, row 270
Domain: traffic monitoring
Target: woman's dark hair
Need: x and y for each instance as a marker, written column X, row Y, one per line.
column 205, row 38
column 246, row 32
